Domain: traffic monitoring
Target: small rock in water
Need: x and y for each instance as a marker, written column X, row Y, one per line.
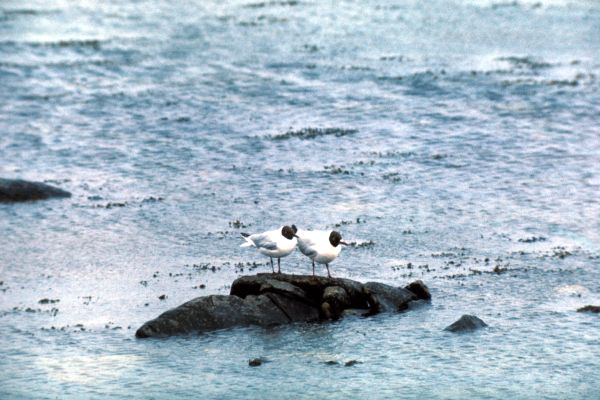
column 498, row 269
column 590, row 308
column 48, row 301
column 466, row 323
column 255, row 362
column 533, row 239
column 162, row 297
column 351, row 363
column 331, row 362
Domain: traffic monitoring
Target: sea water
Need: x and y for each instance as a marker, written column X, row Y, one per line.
column 453, row 142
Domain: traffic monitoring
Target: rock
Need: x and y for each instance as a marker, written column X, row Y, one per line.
column 48, row 301
column 210, row 313
column 419, row 289
column 466, row 323
column 312, row 286
column 388, row 298
column 351, row 363
column 273, row 299
column 592, row 309
column 17, row 190
column 162, row 297
column 337, row 299
column 255, row 362
column 294, row 310
column 326, row 311
column 284, row 289
column 290, row 299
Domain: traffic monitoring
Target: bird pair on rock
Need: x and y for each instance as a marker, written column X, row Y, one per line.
column 321, row 247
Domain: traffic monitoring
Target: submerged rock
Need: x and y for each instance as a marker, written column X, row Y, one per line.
column 466, row 323
column 275, row 299
column 17, row 190
column 590, row 308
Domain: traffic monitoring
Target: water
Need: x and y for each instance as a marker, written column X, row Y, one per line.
column 445, row 133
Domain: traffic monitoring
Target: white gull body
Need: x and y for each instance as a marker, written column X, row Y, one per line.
column 317, row 246
column 272, row 243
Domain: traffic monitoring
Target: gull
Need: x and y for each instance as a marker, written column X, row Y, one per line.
column 320, row 246
column 277, row 243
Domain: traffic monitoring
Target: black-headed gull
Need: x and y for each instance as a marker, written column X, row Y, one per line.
column 277, row 243
column 320, row 246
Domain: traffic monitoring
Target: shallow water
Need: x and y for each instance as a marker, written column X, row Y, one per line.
column 444, row 133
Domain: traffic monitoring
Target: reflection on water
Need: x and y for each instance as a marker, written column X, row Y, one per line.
column 87, row 370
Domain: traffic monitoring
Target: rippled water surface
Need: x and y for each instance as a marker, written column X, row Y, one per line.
column 458, row 142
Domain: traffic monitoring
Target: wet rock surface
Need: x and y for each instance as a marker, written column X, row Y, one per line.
column 258, row 361
column 420, row 290
column 466, row 323
column 209, row 313
column 384, row 298
column 337, row 300
column 17, row 190
column 590, row 308
column 275, row 299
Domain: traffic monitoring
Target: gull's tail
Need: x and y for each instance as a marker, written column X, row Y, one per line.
column 248, row 242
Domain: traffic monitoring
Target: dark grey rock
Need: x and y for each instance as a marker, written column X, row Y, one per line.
column 274, row 299
column 290, row 299
column 326, row 311
column 466, row 323
column 48, row 301
column 17, row 190
column 214, row 312
column 255, row 362
column 388, row 298
column 294, row 310
column 592, row 309
column 283, row 288
column 338, row 300
column 312, row 286
column 351, row 363
column 419, row 289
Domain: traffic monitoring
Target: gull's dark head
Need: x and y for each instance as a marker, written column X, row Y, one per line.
column 335, row 238
column 288, row 232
